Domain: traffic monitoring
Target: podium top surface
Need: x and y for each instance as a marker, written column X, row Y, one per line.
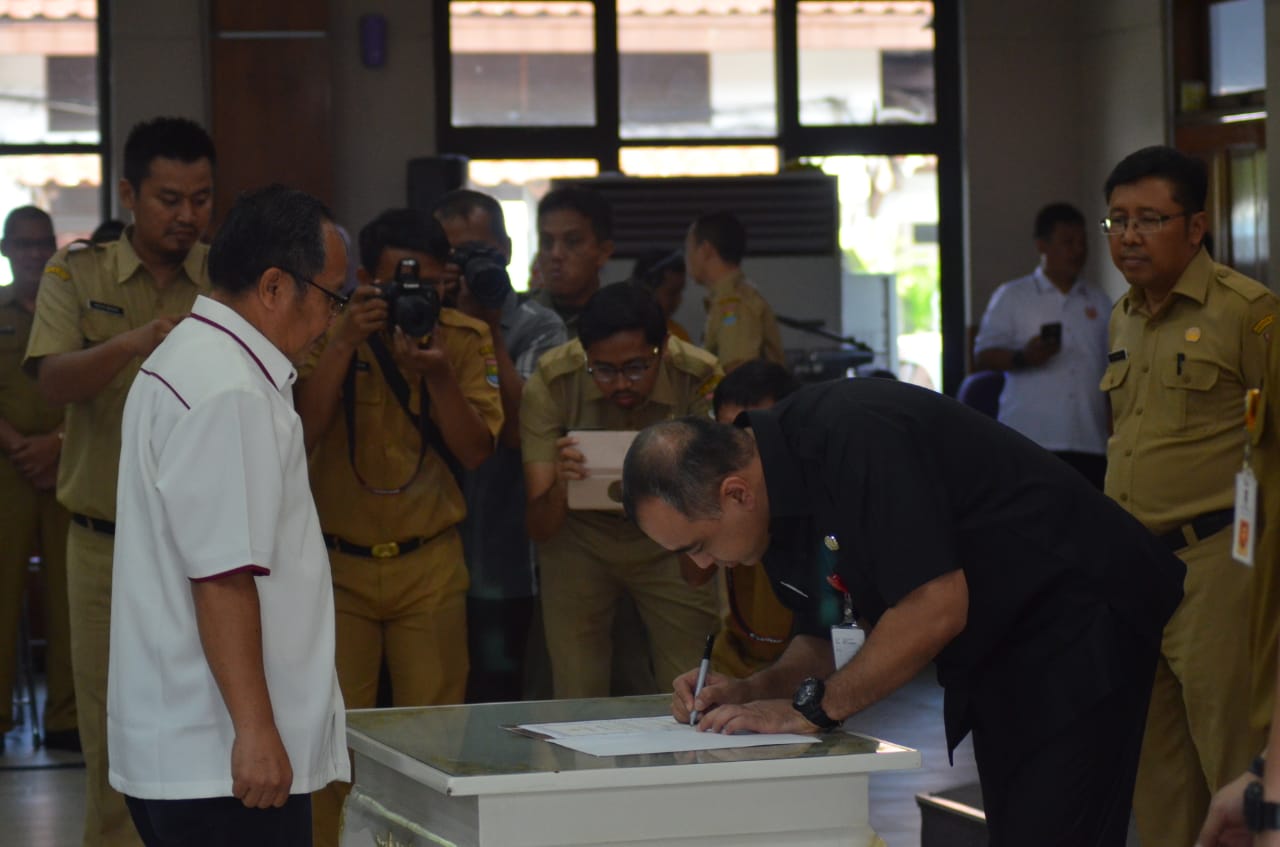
column 468, row 750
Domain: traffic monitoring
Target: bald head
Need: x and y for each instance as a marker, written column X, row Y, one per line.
column 682, row 463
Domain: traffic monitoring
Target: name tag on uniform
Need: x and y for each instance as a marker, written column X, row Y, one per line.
column 109, row 308
column 1244, row 528
column 846, row 640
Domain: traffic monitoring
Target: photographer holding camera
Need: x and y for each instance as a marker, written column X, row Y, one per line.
column 399, row 390
column 500, row 602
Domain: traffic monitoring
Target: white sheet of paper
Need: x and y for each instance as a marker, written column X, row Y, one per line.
column 636, row 736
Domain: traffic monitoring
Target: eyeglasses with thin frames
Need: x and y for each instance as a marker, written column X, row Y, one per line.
column 1143, row 224
column 634, row 370
column 337, row 303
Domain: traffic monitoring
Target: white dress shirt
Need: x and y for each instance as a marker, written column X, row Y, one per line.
column 1058, row 404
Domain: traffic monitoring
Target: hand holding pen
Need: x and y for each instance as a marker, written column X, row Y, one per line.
column 703, row 668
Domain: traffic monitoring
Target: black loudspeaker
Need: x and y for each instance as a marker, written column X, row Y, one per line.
column 431, row 177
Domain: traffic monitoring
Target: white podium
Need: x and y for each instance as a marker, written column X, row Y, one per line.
column 453, row 775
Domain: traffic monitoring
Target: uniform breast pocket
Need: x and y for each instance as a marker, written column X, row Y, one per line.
column 1115, row 384
column 1199, row 398
column 98, row 325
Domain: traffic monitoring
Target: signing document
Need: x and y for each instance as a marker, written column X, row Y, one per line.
column 635, row 736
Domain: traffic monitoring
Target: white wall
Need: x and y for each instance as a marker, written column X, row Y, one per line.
column 158, row 67
column 1056, row 93
column 383, row 116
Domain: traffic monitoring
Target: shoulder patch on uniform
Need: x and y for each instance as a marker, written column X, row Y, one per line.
column 59, row 271
column 1247, row 288
column 1261, row 326
column 729, row 319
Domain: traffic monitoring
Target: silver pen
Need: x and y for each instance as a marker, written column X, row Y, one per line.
column 702, row 676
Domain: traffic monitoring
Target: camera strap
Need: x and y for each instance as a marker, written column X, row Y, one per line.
column 429, row 434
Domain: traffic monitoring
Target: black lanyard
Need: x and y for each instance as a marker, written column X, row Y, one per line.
column 428, row 432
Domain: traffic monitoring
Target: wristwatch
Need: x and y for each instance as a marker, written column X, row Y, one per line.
column 1259, row 815
column 808, row 702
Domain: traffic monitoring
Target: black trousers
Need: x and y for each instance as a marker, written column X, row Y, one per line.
column 221, row 822
column 497, row 644
column 1074, row 789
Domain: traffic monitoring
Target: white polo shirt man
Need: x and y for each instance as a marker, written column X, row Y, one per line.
column 1058, row 404
column 213, row 480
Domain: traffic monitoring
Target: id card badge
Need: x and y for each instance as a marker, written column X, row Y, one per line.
column 846, row 640
column 1244, row 529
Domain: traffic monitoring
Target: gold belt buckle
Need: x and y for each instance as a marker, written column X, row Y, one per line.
column 386, row 550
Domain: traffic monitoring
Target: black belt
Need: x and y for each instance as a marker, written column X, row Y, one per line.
column 1198, row 529
column 385, row 550
column 94, row 524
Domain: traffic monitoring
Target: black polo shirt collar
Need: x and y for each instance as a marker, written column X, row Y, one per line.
column 788, row 495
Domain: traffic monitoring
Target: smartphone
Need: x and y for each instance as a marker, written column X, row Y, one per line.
column 1051, row 333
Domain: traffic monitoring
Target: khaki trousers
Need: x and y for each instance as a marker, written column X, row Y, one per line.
column 1198, row 735
column 580, row 590
column 412, row 611
column 29, row 521
column 89, row 559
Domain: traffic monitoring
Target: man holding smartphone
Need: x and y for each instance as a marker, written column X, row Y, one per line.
column 1048, row 332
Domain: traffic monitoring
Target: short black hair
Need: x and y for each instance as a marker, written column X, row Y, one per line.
column 752, row 383
column 682, row 463
column 164, row 138
column 652, row 266
column 1189, row 176
column 621, row 307
column 26, row 213
column 1052, row 215
column 407, row 229
column 272, row 227
column 577, row 198
column 724, row 232
column 463, row 203
column 109, row 230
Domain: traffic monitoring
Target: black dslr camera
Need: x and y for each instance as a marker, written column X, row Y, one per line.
column 413, row 304
column 485, row 271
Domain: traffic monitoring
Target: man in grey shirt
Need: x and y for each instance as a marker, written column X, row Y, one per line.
column 500, row 602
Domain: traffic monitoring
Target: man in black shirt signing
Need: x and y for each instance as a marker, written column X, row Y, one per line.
column 958, row 541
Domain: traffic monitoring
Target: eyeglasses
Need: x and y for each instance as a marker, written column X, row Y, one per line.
column 1143, row 224
column 634, row 370
column 337, row 303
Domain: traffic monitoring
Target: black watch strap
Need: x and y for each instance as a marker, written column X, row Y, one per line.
column 1259, row 767
column 1018, row 361
column 808, row 702
column 1259, row 815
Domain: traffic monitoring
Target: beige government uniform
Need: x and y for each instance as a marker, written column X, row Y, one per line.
column 408, row 608
column 88, row 295
column 740, row 324
column 596, row 556
column 1264, row 592
column 1176, row 382
column 31, row 521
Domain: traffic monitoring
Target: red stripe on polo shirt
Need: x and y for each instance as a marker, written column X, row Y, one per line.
column 166, row 384
column 256, row 570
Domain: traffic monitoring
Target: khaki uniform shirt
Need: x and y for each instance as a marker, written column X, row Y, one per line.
column 740, row 324
column 1176, row 382
column 20, row 402
column 387, row 445
column 561, row 396
column 1264, row 591
column 89, row 294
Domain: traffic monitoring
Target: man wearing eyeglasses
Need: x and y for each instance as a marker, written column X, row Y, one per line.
column 385, row 416
column 1187, row 340
column 31, row 439
column 101, row 310
column 623, row 372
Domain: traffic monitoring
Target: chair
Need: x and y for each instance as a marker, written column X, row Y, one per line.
column 981, row 391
